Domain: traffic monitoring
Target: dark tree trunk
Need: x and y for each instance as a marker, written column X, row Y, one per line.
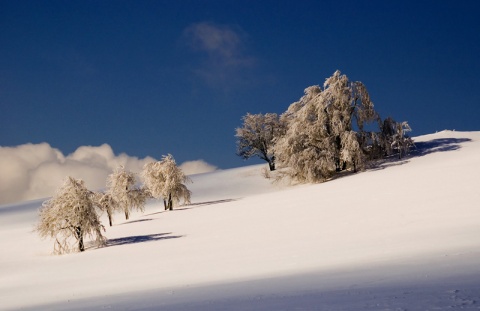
column 110, row 219
column 127, row 214
column 79, row 234
column 165, row 204
column 271, row 165
column 170, row 203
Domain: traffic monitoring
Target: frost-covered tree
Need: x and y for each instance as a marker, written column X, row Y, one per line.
column 326, row 130
column 256, row 136
column 69, row 216
column 348, row 109
column 351, row 152
column 121, row 192
column 394, row 139
column 388, row 129
column 401, row 142
column 164, row 179
column 106, row 203
column 306, row 150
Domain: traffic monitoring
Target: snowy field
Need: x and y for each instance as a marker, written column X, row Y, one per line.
column 404, row 235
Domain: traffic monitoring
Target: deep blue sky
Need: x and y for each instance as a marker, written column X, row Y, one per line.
column 137, row 75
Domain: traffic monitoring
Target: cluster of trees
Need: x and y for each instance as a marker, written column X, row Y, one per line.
column 73, row 212
column 327, row 131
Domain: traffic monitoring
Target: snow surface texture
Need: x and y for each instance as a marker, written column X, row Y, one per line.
column 404, row 235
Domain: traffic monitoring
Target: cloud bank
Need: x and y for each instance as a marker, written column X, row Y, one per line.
column 34, row 171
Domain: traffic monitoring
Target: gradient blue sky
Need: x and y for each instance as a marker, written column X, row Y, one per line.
column 157, row 77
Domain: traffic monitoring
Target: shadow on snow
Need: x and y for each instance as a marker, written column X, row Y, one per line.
column 421, row 149
column 134, row 221
column 192, row 205
column 141, row 239
column 437, row 145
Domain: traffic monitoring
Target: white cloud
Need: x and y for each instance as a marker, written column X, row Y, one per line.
column 224, row 48
column 196, row 167
column 34, row 171
column 217, row 41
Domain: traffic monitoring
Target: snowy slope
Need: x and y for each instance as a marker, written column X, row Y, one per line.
column 402, row 235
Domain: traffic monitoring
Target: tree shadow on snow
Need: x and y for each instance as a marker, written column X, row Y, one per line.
column 134, row 221
column 421, row 149
column 437, row 145
column 193, row 205
column 141, row 239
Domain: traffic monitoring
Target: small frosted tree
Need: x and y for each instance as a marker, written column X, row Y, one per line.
column 106, row 203
column 164, row 179
column 121, row 193
column 69, row 216
column 400, row 140
column 256, row 137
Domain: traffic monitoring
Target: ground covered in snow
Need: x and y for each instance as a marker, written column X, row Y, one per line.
column 403, row 235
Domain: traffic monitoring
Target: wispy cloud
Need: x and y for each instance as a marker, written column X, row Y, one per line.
column 34, row 171
column 224, row 52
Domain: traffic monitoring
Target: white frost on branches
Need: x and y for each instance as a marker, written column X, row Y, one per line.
column 256, row 136
column 69, row 216
column 326, row 131
column 164, row 179
column 122, row 192
column 400, row 141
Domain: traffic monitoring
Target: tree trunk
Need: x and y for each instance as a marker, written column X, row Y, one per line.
column 79, row 234
column 110, row 219
column 165, row 204
column 127, row 214
column 170, row 203
column 337, row 165
column 271, row 164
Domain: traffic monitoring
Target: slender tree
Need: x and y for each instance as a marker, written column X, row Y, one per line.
column 121, row 192
column 164, row 179
column 401, row 142
column 107, row 204
column 69, row 216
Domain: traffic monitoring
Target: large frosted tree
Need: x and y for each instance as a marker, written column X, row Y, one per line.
column 325, row 130
column 256, row 136
column 164, row 179
column 70, row 216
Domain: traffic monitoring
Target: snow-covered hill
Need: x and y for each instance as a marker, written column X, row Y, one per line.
column 402, row 235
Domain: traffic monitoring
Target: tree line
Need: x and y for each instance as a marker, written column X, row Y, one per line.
column 325, row 132
column 73, row 212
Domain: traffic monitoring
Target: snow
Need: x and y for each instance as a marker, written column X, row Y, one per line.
column 404, row 235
